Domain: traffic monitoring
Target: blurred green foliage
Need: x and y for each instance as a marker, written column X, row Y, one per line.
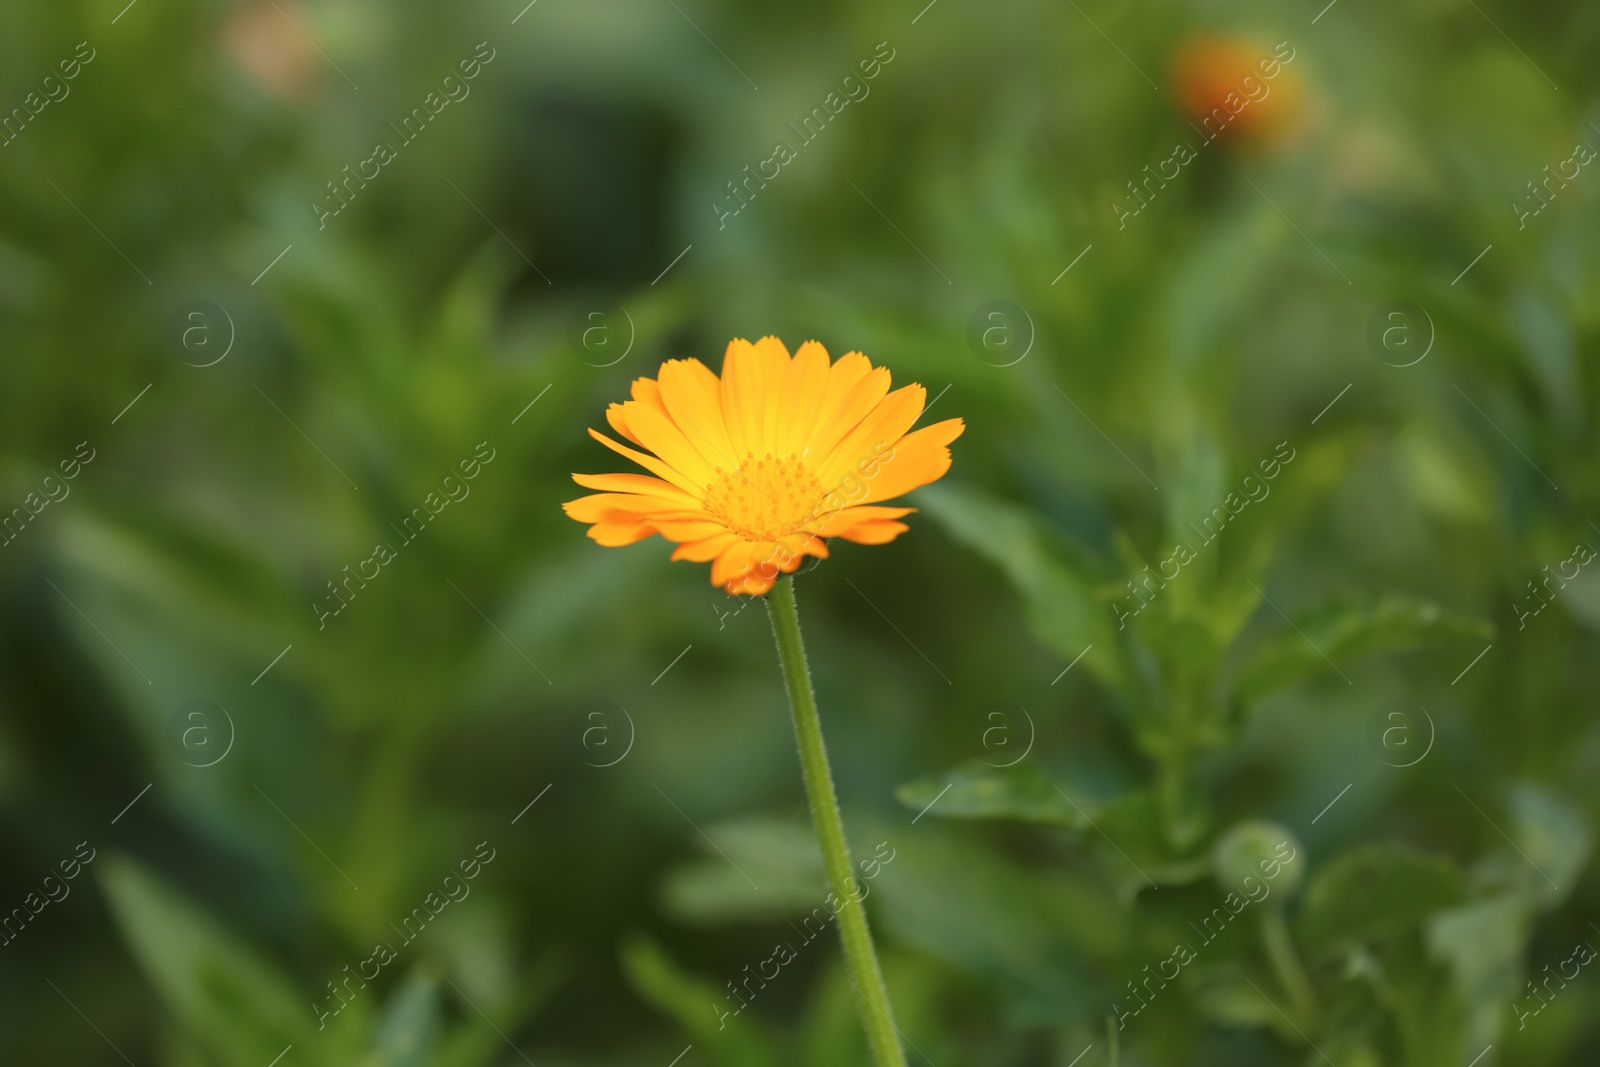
column 1027, row 896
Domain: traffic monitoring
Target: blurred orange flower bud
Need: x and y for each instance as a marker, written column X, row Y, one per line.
column 264, row 38
column 1237, row 86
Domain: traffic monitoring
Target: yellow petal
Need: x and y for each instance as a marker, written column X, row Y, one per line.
column 804, row 384
column 800, row 545
column 651, row 464
column 692, row 395
column 636, row 483
column 648, row 391
column 706, row 549
column 619, row 423
column 775, row 361
column 739, row 412
column 616, row 534
column 662, row 436
column 874, row 533
column 847, row 401
column 834, row 523
column 860, row 452
column 738, row 559
column 918, row 458
column 608, row 507
column 684, row 528
column 752, row 380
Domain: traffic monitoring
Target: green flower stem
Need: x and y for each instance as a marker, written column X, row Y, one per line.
column 861, row 959
column 1286, row 964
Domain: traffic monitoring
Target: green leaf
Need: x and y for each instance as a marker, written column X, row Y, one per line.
column 698, row 1006
column 477, row 1039
column 1024, row 792
column 1344, row 630
column 1233, row 1003
column 778, row 855
column 1374, row 892
column 409, row 1027
column 831, row 1033
column 235, row 1005
column 1483, row 944
column 1553, row 836
column 1023, row 932
column 1063, row 611
column 976, row 790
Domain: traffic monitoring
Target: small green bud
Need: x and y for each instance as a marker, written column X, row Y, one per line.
column 1263, row 851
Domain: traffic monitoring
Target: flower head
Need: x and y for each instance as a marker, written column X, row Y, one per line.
column 1232, row 83
column 753, row 470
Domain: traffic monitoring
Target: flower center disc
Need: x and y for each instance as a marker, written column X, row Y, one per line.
column 764, row 499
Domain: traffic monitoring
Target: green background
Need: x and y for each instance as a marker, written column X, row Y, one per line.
column 1173, row 357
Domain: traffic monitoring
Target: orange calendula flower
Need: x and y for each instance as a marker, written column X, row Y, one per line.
column 753, row 470
column 1232, row 83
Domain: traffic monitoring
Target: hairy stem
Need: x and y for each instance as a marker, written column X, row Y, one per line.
column 861, row 959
